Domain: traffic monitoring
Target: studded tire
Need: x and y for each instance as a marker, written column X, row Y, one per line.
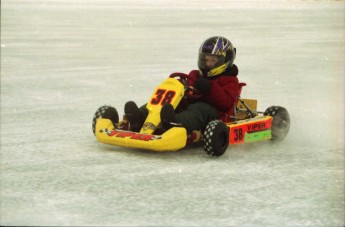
column 216, row 138
column 280, row 122
column 107, row 112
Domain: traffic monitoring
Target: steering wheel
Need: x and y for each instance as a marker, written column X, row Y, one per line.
column 186, row 80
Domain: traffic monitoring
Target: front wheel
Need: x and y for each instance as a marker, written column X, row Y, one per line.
column 216, row 138
column 280, row 123
column 107, row 112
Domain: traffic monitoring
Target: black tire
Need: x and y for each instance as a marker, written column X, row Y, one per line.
column 216, row 138
column 280, row 122
column 107, row 112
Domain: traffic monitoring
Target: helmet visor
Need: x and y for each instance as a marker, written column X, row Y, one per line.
column 210, row 61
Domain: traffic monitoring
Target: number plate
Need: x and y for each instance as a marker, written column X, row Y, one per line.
column 251, row 130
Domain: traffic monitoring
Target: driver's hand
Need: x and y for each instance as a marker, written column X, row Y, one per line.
column 203, row 85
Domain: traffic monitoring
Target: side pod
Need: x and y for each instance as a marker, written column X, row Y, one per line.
column 250, row 130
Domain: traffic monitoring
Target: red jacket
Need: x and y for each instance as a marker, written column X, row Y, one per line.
column 224, row 92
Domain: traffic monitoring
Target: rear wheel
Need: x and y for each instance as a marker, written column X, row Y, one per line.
column 107, row 112
column 216, row 138
column 280, row 122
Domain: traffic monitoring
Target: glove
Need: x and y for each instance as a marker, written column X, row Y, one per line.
column 202, row 85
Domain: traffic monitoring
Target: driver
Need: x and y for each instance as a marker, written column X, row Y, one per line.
column 216, row 82
column 211, row 61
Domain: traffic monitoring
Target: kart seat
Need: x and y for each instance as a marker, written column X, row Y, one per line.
column 232, row 116
column 240, row 89
column 243, row 108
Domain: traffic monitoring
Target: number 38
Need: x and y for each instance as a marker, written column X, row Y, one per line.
column 162, row 97
column 238, row 134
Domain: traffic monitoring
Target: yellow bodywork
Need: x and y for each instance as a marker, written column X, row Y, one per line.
column 172, row 140
column 170, row 91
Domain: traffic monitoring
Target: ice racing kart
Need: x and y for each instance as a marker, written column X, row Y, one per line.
column 247, row 124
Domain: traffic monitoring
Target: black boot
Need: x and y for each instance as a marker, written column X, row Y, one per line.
column 168, row 117
column 135, row 116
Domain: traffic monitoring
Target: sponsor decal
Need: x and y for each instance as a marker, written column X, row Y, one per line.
column 132, row 135
column 256, row 127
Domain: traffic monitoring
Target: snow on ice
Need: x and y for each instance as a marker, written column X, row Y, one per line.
column 61, row 60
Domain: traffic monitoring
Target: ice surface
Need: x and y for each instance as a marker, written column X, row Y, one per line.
column 61, row 60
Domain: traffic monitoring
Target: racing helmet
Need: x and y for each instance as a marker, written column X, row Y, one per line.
column 216, row 55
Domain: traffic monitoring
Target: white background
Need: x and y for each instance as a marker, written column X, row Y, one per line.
column 61, row 60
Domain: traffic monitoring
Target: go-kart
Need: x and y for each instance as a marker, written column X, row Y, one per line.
column 247, row 124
